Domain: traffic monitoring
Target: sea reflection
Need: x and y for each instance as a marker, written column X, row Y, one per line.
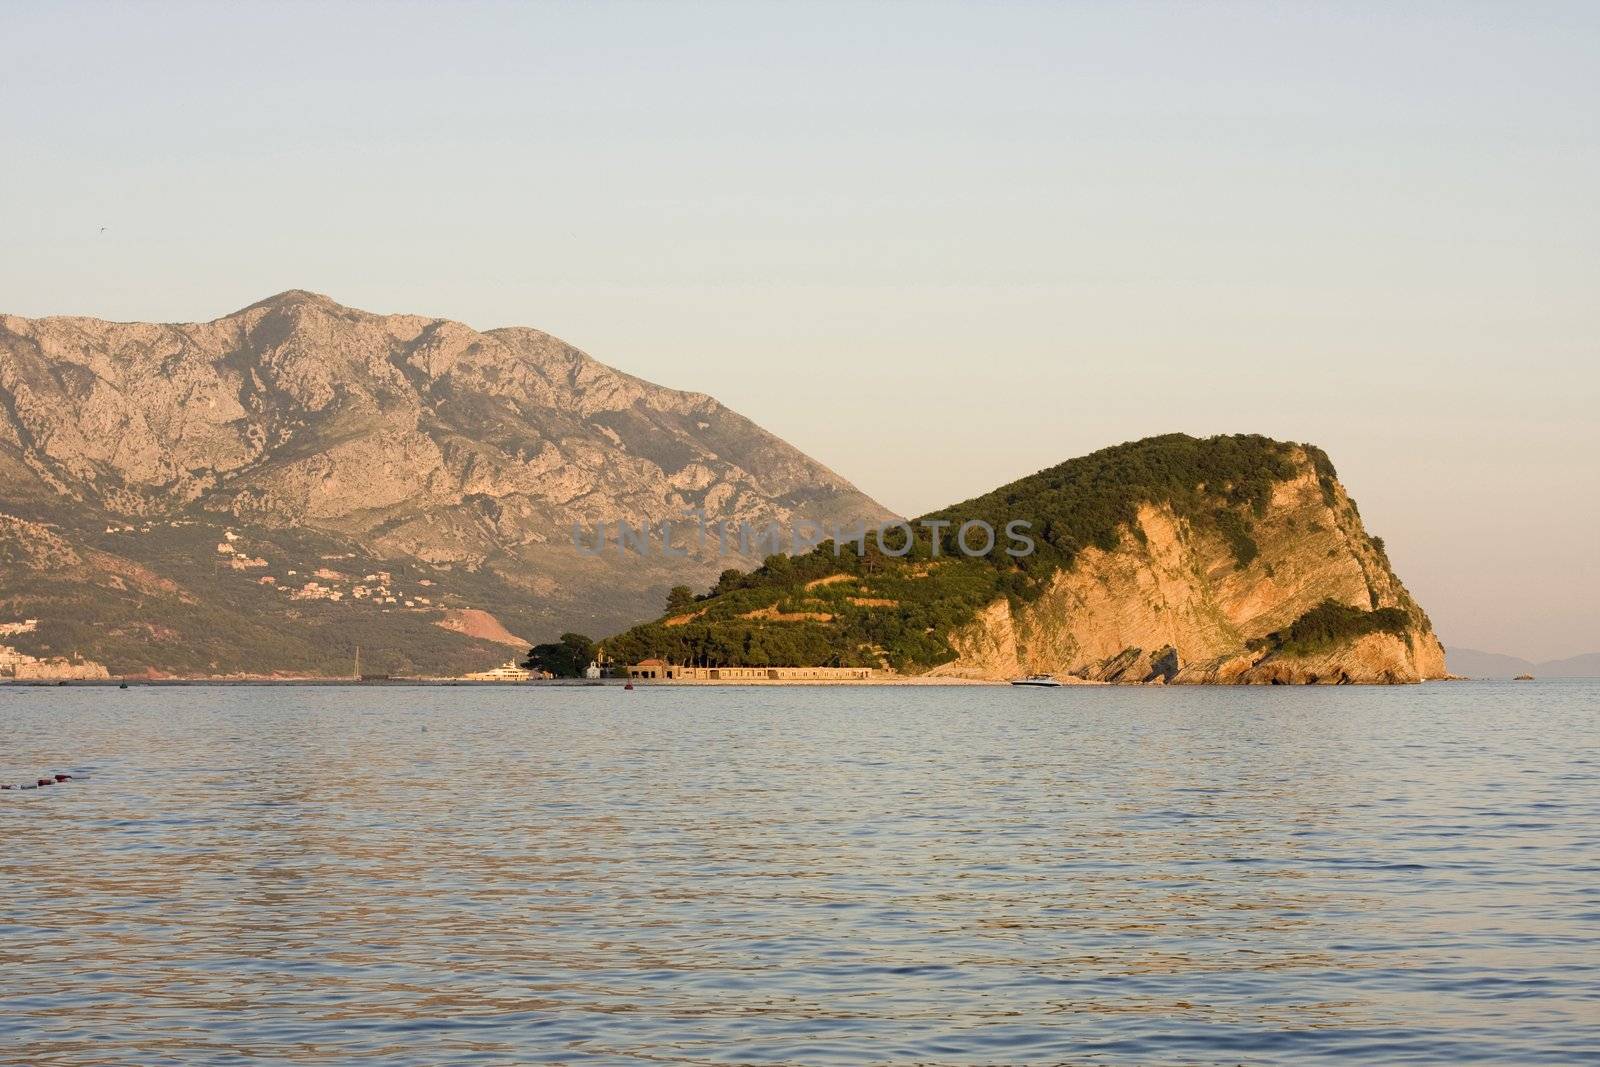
column 801, row 875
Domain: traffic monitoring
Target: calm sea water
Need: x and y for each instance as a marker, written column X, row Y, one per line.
column 801, row 875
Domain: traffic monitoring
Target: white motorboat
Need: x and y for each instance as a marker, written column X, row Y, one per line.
column 1042, row 681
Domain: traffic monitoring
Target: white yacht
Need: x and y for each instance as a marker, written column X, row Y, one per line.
column 509, row 672
column 1042, row 681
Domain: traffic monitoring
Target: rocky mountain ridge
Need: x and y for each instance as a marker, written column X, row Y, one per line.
column 321, row 434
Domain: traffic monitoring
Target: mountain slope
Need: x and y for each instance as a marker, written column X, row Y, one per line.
column 1231, row 559
column 1475, row 664
column 1586, row 665
column 326, row 438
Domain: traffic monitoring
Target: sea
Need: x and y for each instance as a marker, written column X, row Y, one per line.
column 801, row 875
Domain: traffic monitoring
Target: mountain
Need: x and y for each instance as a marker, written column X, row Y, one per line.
column 1585, row 666
column 1226, row 560
column 1475, row 664
column 266, row 491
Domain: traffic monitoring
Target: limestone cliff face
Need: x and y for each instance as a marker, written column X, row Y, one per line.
column 316, row 432
column 424, row 433
column 1172, row 604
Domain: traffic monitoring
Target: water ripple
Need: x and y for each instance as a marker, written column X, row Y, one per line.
column 774, row 876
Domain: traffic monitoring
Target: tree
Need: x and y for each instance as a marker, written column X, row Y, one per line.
column 565, row 658
column 679, row 600
column 730, row 579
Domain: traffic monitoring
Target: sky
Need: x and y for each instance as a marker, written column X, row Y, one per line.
column 938, row 247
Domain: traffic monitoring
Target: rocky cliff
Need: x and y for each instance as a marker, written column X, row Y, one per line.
column 1172, row 603
column 1237, row 560
column 169, row 494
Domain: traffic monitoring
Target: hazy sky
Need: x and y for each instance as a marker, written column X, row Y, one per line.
column 937, row 247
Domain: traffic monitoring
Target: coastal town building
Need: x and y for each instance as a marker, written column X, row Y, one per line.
column 59, row 669
column 20, row 666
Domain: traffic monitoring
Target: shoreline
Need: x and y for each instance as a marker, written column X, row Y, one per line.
column 547, row 683
column 618, row 683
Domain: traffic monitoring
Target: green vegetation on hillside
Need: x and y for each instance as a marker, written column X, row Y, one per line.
column 854, row 605
column 1088, row 501
column 1331, row 623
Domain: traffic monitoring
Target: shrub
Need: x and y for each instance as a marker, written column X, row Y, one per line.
column 1331, row 623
